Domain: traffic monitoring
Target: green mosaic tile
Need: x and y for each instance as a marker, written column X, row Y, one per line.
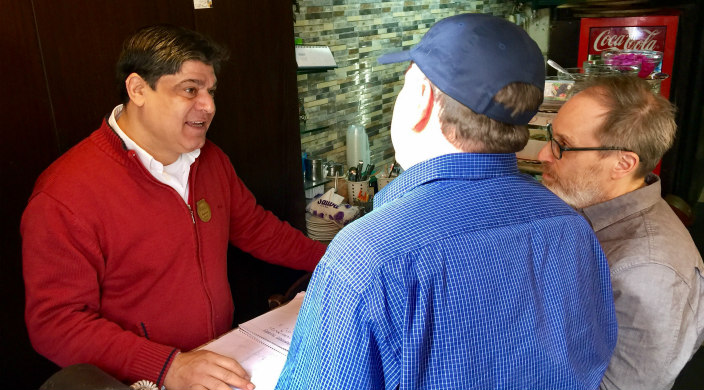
column 361, row 90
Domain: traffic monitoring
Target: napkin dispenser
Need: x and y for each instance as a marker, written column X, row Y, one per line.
column 311, row 58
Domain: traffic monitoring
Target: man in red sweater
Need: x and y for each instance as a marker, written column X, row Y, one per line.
column 125, row 236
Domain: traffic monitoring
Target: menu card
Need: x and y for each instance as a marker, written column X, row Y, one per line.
column 260, row 345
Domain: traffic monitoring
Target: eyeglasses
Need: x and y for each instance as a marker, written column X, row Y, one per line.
column 557, row 149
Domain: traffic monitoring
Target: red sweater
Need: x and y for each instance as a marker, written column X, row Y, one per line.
column 121, row 274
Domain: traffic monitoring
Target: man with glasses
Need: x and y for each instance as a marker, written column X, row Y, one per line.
column 604, row 143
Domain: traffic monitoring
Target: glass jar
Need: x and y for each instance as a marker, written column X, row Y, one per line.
column 648, row 61
column 581, row 74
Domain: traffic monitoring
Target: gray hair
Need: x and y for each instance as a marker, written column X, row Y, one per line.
column 637, row 119
column 159, row 50
column 473, row 132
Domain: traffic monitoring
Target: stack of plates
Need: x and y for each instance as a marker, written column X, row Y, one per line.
column 321, row 229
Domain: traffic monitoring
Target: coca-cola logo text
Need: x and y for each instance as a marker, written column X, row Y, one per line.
column 645, row 39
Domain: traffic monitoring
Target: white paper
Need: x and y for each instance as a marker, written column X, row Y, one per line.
column 314, row 57
column 201, row 4
column 276, row 327
column 263, row 364
column 260, row 345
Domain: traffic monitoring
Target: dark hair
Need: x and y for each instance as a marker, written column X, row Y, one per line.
column 473, row 132
column 637, row 119
column 159, row 50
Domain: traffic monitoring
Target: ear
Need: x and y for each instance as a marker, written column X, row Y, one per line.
column 424, row 105
column 625, row 165
column 136, row 88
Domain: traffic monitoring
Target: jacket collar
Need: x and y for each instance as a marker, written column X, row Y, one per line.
column 604, row 214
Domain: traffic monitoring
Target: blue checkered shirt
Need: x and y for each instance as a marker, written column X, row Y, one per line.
column 466, row 275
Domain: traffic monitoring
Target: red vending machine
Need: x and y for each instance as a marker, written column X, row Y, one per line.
column 653, row 33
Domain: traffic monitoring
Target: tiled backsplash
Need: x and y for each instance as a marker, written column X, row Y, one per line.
column 361, row 91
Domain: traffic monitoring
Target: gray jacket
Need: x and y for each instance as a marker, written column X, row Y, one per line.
column 656, row 276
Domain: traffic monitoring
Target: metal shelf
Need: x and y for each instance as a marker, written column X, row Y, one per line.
column 314, row 70
column 308, row 184
column 313, row 130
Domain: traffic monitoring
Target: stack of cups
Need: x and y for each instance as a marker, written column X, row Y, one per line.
column 357, row 145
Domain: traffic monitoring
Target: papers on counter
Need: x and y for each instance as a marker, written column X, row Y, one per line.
column 260, row 345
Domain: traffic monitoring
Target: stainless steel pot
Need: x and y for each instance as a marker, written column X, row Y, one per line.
column 314, row 169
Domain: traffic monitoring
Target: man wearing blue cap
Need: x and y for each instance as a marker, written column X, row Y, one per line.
column 467, row 274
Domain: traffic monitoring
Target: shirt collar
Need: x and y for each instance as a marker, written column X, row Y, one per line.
column 604, row 214
column 147, row 159
column 174, row 175
column 458, row 166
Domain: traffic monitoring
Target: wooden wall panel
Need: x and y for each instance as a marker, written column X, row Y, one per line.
column 81, row 42
column 27, row 146
column 256, row 124
column 256, row 120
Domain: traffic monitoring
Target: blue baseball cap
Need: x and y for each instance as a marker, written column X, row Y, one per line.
column 470, row 57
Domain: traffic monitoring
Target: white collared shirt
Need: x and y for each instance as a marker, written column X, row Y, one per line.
column 175, row 175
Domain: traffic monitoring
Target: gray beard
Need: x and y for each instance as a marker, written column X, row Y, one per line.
column 578, row 199
column 578, row 192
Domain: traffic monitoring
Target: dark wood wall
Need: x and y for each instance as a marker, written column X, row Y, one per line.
column 57, row 66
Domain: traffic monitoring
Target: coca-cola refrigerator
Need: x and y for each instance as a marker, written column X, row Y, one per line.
column 652, row 32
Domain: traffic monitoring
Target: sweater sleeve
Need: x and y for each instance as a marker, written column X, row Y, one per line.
column 63, row 268
column 260, row 233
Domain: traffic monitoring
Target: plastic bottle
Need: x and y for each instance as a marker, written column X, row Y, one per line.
column 357, row 145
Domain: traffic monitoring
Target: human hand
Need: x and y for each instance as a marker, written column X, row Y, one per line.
column 206, row 370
